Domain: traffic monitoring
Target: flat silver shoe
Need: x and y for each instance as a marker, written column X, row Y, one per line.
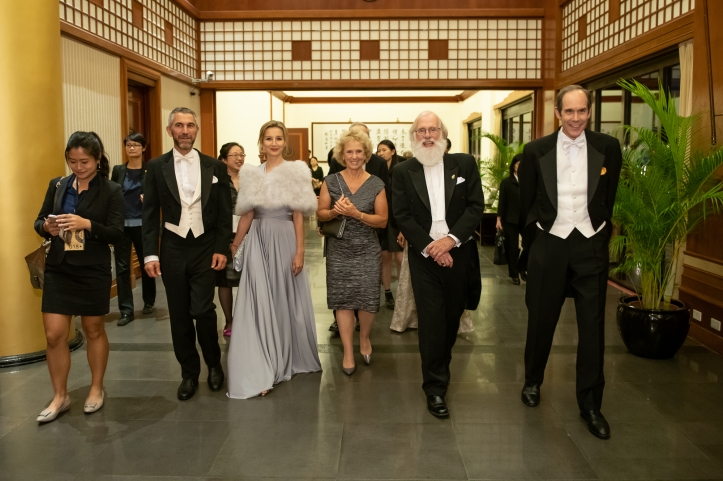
column 90, row 408
column 47, row 415
column 367, row 358
column 348, row 370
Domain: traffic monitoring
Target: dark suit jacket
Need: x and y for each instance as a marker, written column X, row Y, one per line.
column 119, row 174
column 464, row 204
column 538, row 182
column 103, row 205
column 161, row 193
column 509, row 206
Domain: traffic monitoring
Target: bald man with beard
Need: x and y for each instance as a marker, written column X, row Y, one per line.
column 438, row 202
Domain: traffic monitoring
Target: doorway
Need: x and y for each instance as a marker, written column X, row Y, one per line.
column 139, row 114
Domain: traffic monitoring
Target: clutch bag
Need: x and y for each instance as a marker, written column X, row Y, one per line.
column 334, row 228
column 238, row 259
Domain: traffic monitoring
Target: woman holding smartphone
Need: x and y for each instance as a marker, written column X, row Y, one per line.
column 88, row 211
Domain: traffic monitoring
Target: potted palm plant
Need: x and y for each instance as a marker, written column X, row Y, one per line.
column 495, row 169
column 666, row 190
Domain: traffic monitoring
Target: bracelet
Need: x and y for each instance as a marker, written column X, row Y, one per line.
column 361, row 218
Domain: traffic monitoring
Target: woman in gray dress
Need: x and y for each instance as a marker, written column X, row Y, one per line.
column 354, row 262
column 274, row 333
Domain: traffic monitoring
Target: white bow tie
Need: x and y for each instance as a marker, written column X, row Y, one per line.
column 188, row 158
column 578, row 142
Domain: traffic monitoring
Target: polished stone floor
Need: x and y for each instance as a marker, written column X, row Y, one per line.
column 666, row 416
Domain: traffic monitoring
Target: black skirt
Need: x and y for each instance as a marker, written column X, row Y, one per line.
column 77, row 290
column 221, row 279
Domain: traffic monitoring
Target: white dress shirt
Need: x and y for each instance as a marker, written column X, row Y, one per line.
column 572, row 182
column 188, row 177
column 434, row 177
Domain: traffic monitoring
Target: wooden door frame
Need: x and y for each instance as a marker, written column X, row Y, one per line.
column 304, row 154
column 152, row 79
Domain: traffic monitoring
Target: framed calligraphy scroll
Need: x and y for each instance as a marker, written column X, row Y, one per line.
column 324, row 135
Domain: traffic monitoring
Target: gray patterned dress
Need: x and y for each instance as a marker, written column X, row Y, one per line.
column 354, row 262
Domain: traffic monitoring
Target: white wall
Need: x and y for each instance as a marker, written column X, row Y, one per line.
column 91, row 95
column 483, row 102
column 302, row 115
column 177, row 94
column 239, row 116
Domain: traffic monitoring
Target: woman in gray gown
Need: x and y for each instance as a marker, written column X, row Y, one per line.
column 354, row 262
column 274, row 333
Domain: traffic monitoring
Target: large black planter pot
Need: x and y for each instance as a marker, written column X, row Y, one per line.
column 651, row 333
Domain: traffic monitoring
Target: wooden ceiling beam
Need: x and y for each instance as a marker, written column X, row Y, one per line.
column 372, row 14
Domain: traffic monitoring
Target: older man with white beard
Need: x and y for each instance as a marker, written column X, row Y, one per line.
column 437, row 202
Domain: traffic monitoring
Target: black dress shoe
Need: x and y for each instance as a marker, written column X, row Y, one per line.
column 531, row 394
column 187, row 389
column 437, row 406
column 596, row 423
column 148, row 309
column 334, row 327
column 516, row 281
column 124, row 320
column 215, row 378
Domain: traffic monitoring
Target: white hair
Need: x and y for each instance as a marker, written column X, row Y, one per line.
column 181, row 110
column 413, row 130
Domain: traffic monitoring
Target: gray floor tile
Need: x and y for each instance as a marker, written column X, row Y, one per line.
column 643, row 451
column 400, row 451
column 521, row 451
column 495, row 403
column 280, row 450
column 162, row 448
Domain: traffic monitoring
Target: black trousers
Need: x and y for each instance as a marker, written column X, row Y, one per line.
column 440, row 294
column 190, row 287
column 132, row 237
column 512, row 247
column 577, row 266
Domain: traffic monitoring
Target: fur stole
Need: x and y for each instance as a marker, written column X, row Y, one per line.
column 288, row 185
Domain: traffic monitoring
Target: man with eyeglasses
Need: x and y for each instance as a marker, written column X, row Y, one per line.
column 437, row 201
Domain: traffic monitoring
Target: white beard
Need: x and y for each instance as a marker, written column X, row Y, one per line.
column 429, row 156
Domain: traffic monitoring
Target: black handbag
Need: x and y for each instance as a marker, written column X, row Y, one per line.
column 500, row 258
column 335, row 227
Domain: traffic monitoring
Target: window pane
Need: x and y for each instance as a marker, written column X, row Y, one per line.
column 674, row 87
column 514, row 130
column 611, row 111
column 640, row 114
column 527, row 127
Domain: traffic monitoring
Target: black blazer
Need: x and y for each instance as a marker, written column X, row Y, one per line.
column 103, row 205
column 376, row 166
column 538, row 182
column 464, row 201
column 119, row 174
column 161, row 194
column 509, row 207
column 465, row 204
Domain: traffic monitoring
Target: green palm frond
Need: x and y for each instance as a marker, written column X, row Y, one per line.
column 495, row 169
column 666, row 190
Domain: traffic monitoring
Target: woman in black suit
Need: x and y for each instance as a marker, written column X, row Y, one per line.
column 508, row 218
column 391, row 248
column 130, row 177
column 317, row 175
column 87, row 209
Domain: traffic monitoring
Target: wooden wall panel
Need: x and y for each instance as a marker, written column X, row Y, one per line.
column 477, row 49
column 135, row 29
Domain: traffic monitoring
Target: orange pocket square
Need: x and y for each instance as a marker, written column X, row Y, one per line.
column 603, row 171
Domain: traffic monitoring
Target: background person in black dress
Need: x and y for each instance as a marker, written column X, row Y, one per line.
column 234, row 156
column 392, row 248
column 192, row 190
column 130, row 177
column 317, row 175
column 78, row 282
column 508, row 218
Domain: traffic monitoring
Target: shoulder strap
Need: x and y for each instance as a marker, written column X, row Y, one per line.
column 55, row 198
column 340, row 187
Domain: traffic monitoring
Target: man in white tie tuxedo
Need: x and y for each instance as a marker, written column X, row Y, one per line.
column 438, row 202
column 568, row 182
column 192, row 194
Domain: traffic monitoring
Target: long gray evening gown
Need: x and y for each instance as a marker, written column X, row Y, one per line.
column 274, row 333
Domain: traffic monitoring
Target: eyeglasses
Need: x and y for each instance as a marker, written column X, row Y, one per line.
column 431, row 131
column 134, row 146
column 236, row 156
